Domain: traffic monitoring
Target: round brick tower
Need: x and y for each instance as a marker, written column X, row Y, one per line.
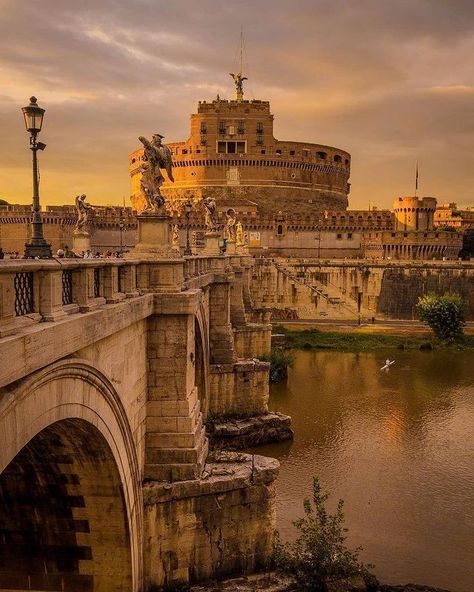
column 413, row 213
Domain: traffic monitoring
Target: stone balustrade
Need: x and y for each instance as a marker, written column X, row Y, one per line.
column 49, row 290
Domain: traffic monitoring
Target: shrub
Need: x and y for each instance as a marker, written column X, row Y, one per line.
column 280, row 360
column 444, row 314
column 319, row 554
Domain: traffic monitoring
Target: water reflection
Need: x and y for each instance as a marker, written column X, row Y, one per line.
column 397, row 446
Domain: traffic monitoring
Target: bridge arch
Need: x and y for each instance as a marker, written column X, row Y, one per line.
column 70, row 495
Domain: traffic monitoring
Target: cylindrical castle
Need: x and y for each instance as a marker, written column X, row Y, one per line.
column 232, row 154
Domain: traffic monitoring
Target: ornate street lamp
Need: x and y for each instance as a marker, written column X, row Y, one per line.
column 37, row 247
column 188, row 206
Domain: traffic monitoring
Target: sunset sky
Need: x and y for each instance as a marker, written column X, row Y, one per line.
column 390, row 81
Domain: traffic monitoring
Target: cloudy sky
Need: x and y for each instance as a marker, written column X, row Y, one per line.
column 391, row 81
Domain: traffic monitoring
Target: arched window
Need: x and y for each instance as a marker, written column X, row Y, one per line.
column 337, row 158
column 280, row 229
column 322, row 155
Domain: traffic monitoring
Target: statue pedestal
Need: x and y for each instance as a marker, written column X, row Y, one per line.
column 161, row 268
column 81, row 241
column 154, row 238
column 231, row 248
column 212, row 244
column 242, row 250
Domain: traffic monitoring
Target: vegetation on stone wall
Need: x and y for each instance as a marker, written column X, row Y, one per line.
column 444, row 314
column 319, row 554
column 3, row 202
column 280, row 360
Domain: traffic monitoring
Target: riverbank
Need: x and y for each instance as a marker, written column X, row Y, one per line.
column 369, row 338
column 271, row 582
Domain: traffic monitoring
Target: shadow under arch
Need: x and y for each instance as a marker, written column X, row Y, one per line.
column 70, row 478
column 201, row 361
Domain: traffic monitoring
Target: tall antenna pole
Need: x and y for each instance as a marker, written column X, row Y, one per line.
column 238, row 78
column 416, row 180
column 241, row 46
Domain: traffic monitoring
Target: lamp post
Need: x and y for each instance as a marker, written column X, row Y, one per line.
column 188, row 206
column 37, row 247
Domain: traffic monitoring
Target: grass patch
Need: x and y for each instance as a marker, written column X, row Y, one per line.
column 353, row 341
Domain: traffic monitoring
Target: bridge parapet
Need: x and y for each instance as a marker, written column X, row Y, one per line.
column 35, row 291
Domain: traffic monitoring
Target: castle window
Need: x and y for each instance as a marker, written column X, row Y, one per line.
column 231, row 147
column 262, row 151
column 222, row 127
column 349, row 235
column 321, row 155
column 280, row 229
column 259, row 127
column 292, row 152
column 241, row 127
column 184, row 151
column 203, row 140
column 203, row 127
column 305, row 152
column 259, row 140
column 337, row 158
column 393, row 235
column 278, row 151
column 339, row 236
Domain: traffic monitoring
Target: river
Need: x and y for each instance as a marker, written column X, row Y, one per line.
column 397, row 446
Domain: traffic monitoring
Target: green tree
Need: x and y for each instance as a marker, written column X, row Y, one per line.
column 280, row 360
column 3, row 202
column 444, row 314
column 319, row 553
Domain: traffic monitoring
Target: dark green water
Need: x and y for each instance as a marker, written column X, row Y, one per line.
column 397, row 446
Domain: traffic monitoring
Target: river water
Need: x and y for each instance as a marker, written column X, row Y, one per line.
column 397, row 446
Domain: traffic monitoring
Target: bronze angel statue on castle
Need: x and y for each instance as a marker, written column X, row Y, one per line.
column 156, row 156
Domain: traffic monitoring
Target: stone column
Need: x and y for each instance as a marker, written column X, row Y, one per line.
column 51, row 295
column 220, row 329
column 7, row 304
column 111, row 288
column 176, row 444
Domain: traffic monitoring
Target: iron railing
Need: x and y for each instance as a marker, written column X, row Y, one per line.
column 24, row 300
column 67, row 286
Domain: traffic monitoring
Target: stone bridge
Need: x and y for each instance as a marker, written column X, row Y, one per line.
column 109, row 371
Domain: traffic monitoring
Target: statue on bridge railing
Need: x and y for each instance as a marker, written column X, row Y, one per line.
column 156, row 156
column 240, row 235
column 231, row 219
column 84, row 214
column 210, row 210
